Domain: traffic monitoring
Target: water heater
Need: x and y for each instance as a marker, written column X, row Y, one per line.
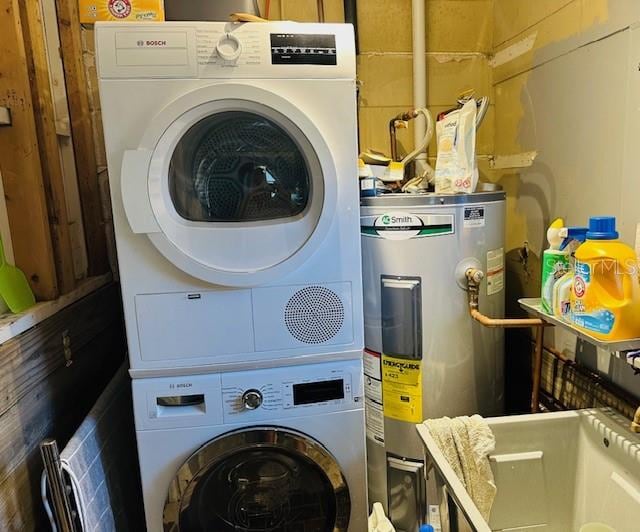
column 425, row 357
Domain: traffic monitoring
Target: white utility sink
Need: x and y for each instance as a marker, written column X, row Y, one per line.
column 555, row 473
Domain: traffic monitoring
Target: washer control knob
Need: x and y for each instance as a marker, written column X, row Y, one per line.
column 229, row 47
column 252, row 399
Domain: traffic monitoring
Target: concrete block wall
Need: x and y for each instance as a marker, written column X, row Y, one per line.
column 459, row 40
column 459, row 34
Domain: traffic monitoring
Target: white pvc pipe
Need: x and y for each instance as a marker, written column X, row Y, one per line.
column 419, row 32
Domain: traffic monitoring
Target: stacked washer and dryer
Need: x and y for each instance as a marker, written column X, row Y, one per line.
column 232, row 153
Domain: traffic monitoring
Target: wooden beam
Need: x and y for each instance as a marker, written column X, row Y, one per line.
column 65, row 143
column 38, row 68
column 20, row 162
column 45, row 397
column 31, row 356
column 82, row 134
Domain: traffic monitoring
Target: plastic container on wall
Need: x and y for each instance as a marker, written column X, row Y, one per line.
column 605, row 300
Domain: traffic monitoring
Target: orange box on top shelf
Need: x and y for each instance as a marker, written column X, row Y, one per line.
column 120, row 10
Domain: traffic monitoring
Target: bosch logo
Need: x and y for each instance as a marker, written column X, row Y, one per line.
column 140, row 43
column 155, row 43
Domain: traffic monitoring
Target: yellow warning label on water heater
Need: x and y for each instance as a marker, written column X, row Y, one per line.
column 402, row 389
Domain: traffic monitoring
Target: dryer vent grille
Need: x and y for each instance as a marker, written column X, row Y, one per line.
column 314, row 314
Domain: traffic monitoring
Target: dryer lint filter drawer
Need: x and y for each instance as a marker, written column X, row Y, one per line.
column 194, row 324
column 294, row 316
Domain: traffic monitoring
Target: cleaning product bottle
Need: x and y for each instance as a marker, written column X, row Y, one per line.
column 561, row 300
column 555, row 263
column 605, row 299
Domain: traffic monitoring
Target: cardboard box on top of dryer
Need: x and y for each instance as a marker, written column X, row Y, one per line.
column 120, row 10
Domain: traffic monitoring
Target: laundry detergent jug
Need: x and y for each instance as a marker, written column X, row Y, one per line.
column 605, row 300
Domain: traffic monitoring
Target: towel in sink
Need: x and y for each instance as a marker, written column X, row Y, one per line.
column 466, row 443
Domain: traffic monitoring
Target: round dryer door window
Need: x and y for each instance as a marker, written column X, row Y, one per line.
column 237, row 166
column 259, row 480
column 241, row 186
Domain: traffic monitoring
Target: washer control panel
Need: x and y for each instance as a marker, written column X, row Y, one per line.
column 284, row 392
column 253, row 395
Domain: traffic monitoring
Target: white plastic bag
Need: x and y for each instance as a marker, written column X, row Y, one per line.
column 378, row 522
column 456, row 166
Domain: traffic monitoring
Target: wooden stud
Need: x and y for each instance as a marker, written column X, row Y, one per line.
column 82, row 133
column 20, row 161
column 38, row 68
column 65, row 142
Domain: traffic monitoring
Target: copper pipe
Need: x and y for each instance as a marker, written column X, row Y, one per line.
column 320, row 10
column 392, row 139
column 511, row 323
column 393, row 126
column 474, row 278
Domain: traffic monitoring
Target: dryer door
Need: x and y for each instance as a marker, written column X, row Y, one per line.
column 259, row 479
column 233, row 184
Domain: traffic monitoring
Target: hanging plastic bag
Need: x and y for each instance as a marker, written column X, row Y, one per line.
column 378, row 521
column 456, row 166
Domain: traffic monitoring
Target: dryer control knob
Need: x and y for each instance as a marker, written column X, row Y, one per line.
column 229, row 47
column 252, row 399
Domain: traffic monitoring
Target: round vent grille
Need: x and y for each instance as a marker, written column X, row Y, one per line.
column 314, row 315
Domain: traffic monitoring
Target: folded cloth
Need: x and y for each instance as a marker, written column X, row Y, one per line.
column 466, row 443
column 378, row 522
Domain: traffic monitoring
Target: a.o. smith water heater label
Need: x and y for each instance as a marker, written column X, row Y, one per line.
column 402, row 389
column 403, row 226
column 495, row 271
column 373, row 397
column 473, row 216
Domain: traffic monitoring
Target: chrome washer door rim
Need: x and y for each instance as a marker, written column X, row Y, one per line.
column 182, row 487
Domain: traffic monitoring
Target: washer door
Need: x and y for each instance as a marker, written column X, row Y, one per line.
column 233, row 184
column 258, row 480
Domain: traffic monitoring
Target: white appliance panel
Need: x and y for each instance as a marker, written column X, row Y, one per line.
column 194, row 324
column 165, row 442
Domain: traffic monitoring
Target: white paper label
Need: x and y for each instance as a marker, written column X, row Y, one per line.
column 373, row 397
column 374, row 421
column 371, row 363
column 434, row 517
column 495, row 271
column 474, row 216
column 373, row 389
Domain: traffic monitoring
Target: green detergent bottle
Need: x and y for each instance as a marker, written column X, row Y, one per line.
column 555, row 263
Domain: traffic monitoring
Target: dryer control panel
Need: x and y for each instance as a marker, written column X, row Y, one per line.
column 224, row 50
